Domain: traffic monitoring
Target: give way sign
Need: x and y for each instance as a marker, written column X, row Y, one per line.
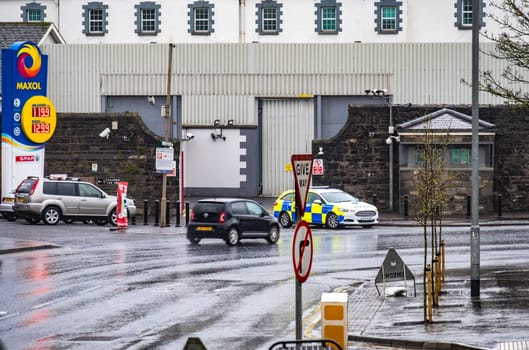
column 302, row 164
column 302, row 249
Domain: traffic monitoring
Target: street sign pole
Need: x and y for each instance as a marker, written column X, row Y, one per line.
column 302, row 168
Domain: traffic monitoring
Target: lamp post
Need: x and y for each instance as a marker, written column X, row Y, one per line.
column 388, row 100
column 167, row 114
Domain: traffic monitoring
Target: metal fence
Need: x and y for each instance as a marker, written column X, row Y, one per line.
column 319, row 344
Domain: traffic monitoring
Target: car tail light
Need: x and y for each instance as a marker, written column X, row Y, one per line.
column 222, row 217
column 192, row 216
column 33, row 187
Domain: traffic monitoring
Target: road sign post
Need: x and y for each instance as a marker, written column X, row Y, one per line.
column 302, row 250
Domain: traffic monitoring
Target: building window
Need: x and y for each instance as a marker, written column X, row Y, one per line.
column 460, row 156
column 95, row 19
column 388, row 17
column 269, row 18
column 328, row 13
column 464, row 14
column 148, row 18
column 201, row 18
column 33, row 12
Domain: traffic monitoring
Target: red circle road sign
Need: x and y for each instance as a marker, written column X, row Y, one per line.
column 302, row 249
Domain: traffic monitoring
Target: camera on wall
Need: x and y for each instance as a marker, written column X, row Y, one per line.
column 105, row 133
column 151, row 100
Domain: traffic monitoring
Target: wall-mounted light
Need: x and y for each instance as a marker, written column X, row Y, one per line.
column 216, row 136
column 216, row 123
column 376, row 92
column 230, row 123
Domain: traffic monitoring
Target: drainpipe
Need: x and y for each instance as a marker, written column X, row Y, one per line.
column 242, row 21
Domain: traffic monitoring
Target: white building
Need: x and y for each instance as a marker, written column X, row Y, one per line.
column 247, row 21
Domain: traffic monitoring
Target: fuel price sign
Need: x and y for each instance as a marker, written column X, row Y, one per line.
column 38, row 119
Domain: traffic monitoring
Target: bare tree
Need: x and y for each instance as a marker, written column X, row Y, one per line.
column 432, row 183
column 512, row 46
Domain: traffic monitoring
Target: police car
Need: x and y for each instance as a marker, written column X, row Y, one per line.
column 326, row 206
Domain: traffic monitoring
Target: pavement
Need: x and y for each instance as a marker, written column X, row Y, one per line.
column 385, row 321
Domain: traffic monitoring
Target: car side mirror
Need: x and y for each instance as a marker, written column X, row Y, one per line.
column 317, row 201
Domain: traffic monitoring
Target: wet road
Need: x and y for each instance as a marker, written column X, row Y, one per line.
column 149, row 288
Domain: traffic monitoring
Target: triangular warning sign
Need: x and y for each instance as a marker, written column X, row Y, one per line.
column 302, row 167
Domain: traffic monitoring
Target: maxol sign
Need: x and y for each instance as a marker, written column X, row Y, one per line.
column 28, row 116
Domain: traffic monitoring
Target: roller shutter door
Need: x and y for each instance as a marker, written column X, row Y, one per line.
column 288, row 128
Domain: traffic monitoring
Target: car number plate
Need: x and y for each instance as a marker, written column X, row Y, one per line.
column 204, row 228
column 365, row 219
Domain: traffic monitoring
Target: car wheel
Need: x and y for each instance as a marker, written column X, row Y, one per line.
column 273, row 235
column 367, row 226
column 233, row 237
column 33, row 221
column 194, row 240
column 101, row 222
column 10, row 217
column 113, row 217
column 51, row 215
column 332, row 221
column 284, row 220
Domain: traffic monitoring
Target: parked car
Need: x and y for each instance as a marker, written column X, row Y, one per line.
column 52, row 200
column 326, row 206
column 231, row 219
column 7, row 206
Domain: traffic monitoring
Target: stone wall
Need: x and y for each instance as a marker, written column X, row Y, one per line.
column 128, row 154
column 359, row 164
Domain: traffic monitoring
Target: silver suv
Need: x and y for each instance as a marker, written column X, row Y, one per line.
column 52, row 200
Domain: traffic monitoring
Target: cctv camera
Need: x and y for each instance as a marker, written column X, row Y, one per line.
column 105, row 133
column 389, row 141
column 151, row 100
column 189, row 136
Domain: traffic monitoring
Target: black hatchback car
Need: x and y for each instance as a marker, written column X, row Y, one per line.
column 231, row 219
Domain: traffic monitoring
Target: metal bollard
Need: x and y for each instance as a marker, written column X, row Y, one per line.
column 499, row 205
column 145, row 212
column 406, row 199
column 375, row 199
column 443, row 275
column 168, row 213
column 157, row 213
column 430, row 297
column 177, row 205
column 468, row 206
column 187, row 213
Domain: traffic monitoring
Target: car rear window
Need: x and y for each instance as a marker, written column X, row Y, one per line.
column 59, row 188
column 208, row 211
column 26, row 185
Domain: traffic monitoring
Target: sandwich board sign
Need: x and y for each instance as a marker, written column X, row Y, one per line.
column 302, row 166
column 394, row 269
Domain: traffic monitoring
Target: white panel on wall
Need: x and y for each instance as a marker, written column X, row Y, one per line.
column 288, row 128
column 212, row 164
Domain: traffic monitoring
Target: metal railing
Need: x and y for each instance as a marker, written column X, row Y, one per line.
column 317, row 344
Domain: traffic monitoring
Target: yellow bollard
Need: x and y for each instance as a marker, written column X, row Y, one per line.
column 334, row 320
column 443, row 275
column 430, row 296
column 437, row 280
